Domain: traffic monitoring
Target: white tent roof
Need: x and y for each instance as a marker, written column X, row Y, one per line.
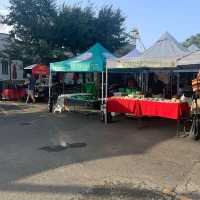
column 166, row 47
column 163, row 54
column 30, row 66
column 116, row 63
column 132, row 54
column 191, row 59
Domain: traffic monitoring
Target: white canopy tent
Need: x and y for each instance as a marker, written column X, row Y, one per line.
column 132, row 54
column 190, row 59
column 165, row 53
column 30, row 66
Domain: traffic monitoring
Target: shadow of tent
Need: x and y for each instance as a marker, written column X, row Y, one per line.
column 116, row 139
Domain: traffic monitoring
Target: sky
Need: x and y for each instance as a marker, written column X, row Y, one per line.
column 152, row 17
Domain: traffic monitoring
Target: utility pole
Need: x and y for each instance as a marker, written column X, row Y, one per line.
column 135, row 35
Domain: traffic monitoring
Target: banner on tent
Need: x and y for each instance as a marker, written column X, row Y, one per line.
column 136, row 63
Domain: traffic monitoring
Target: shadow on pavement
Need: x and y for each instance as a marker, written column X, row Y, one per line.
column 96, row 192
column 20, row 157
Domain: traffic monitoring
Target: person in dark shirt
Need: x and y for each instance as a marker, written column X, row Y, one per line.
column 157, row 86
column 31, row 86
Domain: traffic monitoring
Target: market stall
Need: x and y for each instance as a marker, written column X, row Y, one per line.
column 160, row 59
column 187, row 68
column 38, row 69
column 92, row 61
column 41, row 73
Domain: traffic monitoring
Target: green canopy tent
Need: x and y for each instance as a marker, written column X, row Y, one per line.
column 93, row 60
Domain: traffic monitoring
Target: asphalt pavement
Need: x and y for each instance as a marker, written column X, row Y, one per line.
column 127, row 159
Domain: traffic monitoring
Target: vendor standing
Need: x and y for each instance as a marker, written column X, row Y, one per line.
column 156, row 86
column 132, row 83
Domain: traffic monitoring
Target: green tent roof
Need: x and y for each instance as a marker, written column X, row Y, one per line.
column 93, row 60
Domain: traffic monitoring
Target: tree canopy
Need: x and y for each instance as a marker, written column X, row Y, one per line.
column 195, row 39
column 44, row 32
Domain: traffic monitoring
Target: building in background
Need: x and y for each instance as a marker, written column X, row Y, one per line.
column 9, row 69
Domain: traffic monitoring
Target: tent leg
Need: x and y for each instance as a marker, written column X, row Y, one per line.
column 147, row 82
column 102, row 88
column 49, row 85
column 50, row 103
column 142, row 82
column 178, row 83
column 171, row 83
column 63, row 86
column 106, row 96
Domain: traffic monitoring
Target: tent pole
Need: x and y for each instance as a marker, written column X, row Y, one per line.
column 102, row 87
column 178, row 82
column 147, row 82
column 171, row 82
column 63, row 84
column 141, row 81
column 49, row 85
column 106, row 94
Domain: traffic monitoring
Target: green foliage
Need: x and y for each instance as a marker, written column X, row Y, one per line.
column 32, row 20
column 195, row 39
column 109, row 28
column 44, row 33
column 75, row 30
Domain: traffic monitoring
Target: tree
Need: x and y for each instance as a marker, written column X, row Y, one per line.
column 32, row 20
column 109, row 28
column 81, row 27
column 75, row 30
column 42, row 32
column 195, row 39
column 32, row 35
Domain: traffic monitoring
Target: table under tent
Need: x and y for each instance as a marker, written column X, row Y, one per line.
column 92, row 61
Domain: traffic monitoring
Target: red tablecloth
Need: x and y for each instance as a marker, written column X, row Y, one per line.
column 163, row 109
column 13, row 94
column 148, row 108
column 122, row 105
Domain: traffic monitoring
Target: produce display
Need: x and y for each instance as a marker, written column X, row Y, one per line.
column 82, row 101
column 129, row 91
column 155, row 99
column 84, row 97
column 89, row 88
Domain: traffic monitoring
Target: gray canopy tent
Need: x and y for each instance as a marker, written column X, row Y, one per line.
column 190, row 64
column 163, row 55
